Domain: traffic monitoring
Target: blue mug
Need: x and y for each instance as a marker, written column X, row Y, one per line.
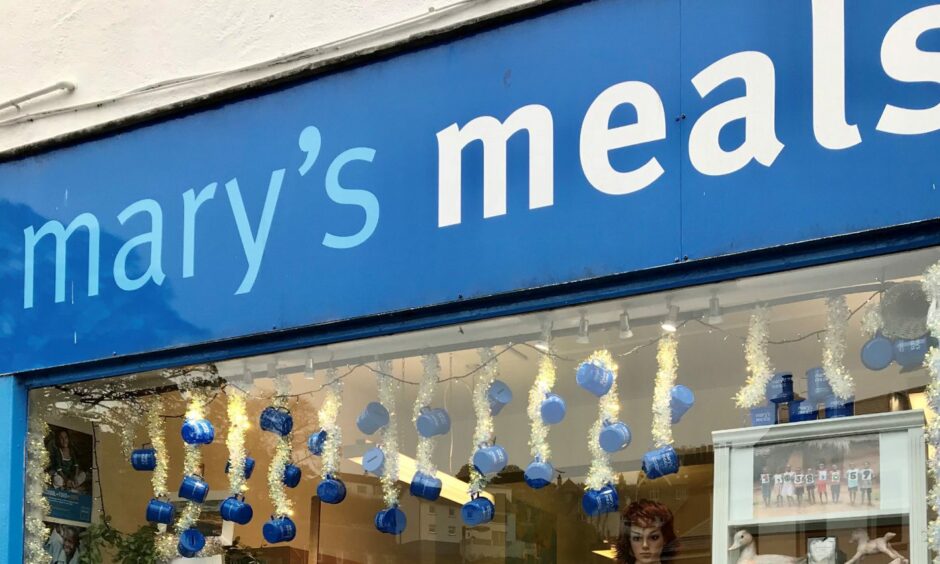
column 194, row 488
column 763, row 415
column 615, row 436
column 477, row 511
column 817, row 385
column 594, row 377
column 877, row 353
column 836, row 407
column 681, row 399
column 538, row 474
column 803, row 410
column 910, row 353
column 391, row 521
column 277, row 420
column 425, row 486
column 144, row 459
column 553, row 409
column 235, row 509
column 249, row 466
column 372, row 418
column 433, row 422
column 197, row 432
column 660, row 462
column 190, row 543
column 316, row 441
column 279, row 529
column 331, row 490
column 498, row 395
column 780, row 388
column 373, row 461
column 291, row 476
column 603, row 500
column 491, row 459
column 160, row 511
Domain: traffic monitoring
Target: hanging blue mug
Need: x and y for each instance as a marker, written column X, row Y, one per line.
column 553, row 409
column 615, row 436
column 498, row 395
column 316, row 441
column 836, row 407
column 660, row 462
column 817, row 385
column 477, row 511
column 391, row 520
column 603, row 500
column 803, row 410
column 291, row 476
column 877, row 353
column 190, row 543
column 373, row 461
column 197, row 432
column 236, row 509
column 277, row 420
column 432, row 422
column 331, row 490
column 491, row 459
column 681, row 400
column 538, row 474
column 910, row 353
column 249, row 466
column 160, row 511
column 144, row 459
column 425, row 486
column 594, row 377
column 279, row 529
column 194, row 488
column 780, row 387
column 763, row 415
column 372, row 418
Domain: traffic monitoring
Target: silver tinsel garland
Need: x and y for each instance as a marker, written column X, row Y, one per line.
column 484, row 432
column 388, row 388
column 759, row 368
column 931, row 284
column 600, row 472
column 837, row 320
column 429, row 380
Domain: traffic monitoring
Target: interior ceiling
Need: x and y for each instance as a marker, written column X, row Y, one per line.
column 708, row 357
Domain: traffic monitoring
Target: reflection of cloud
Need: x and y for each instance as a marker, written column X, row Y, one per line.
column 83, row 327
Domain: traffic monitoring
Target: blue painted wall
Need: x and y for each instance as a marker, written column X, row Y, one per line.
column 391, row 111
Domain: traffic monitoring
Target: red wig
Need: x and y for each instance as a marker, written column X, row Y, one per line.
column 647, row 513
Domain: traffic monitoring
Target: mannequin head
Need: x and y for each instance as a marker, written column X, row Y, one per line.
column 647, row 536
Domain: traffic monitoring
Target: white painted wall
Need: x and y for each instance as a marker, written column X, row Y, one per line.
column 110, row 47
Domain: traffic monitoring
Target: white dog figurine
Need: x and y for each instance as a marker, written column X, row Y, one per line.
column 868, row 547
column 744, row 541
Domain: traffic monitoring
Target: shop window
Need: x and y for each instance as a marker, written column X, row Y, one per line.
column 800, row 474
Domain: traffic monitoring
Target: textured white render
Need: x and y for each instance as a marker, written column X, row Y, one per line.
column 109, row 47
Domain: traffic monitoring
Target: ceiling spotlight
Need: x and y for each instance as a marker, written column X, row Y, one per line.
column 272, row 369
column 583, row 328
column 625, row 331
column 671, row 323
column 713, row 317
column 543, row 343
column 308, row 367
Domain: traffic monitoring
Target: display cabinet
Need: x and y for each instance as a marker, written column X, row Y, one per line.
column 821, row 489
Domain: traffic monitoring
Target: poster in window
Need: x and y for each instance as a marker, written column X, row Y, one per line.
column 70, row 479
column 817, row 477
column 64, row 544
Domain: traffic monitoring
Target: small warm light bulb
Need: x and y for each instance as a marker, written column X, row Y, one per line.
column 584, row 328
column 671, row 323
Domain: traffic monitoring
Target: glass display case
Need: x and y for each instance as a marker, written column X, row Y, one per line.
column 823, row 491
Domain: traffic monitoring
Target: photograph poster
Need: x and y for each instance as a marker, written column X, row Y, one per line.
column 64, row 543
column 70, row 462
column 817, row 477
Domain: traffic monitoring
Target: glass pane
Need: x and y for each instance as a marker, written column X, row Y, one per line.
column 733, row 474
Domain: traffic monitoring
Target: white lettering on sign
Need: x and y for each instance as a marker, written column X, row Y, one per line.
column 901, row 58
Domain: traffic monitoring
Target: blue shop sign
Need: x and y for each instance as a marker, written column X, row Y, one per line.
column 603, row 138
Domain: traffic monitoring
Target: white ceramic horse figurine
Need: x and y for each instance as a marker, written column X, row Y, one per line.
column 745, row 541
column 867, row 547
